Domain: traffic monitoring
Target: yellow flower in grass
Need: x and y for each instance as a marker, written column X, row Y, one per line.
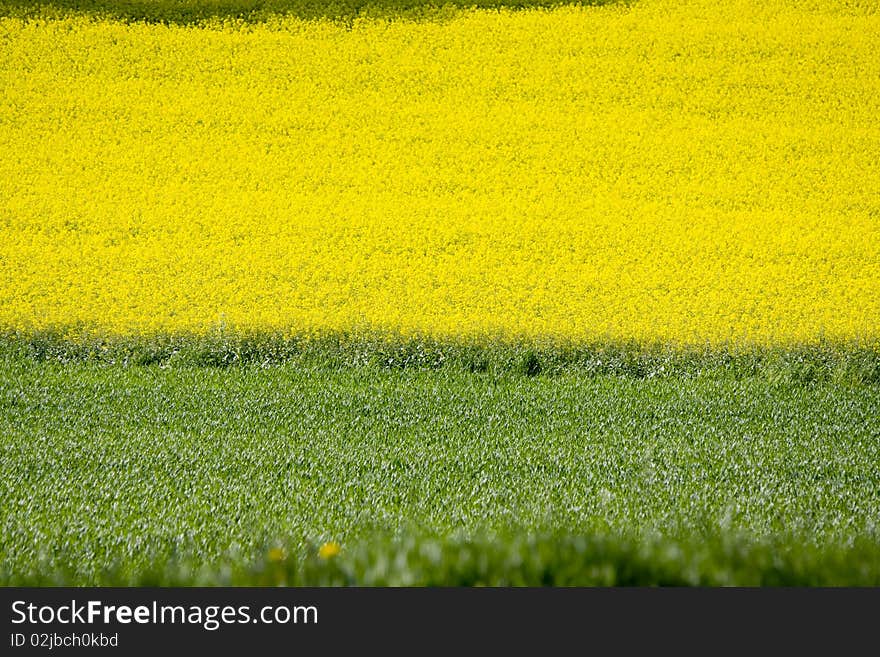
column 329, row 550
column 277, row 554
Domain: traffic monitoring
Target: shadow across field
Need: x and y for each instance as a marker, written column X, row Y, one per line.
column 854, row 363
column 188, row 12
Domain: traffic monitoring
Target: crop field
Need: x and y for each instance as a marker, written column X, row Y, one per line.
column 667, row 171
column 118, row 469
column 457, row 293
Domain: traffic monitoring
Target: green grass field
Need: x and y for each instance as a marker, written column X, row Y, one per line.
column 175, row 473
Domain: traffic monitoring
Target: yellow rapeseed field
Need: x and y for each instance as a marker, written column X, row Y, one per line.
column 672, row 170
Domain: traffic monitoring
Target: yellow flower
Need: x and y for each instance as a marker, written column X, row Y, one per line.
column 329, row 550
column 277, row 554
column 684, row 172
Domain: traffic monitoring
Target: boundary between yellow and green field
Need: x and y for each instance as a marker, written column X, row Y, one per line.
column 207, row 12
column 856, row 362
